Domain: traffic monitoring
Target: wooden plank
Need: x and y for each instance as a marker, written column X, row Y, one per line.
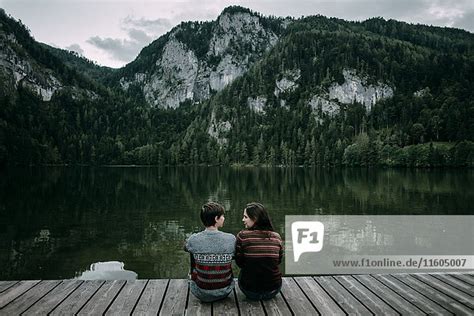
column 78, row 298
column 102, row 298
column 276, row 306
column 48, row 302
column 150, row 301
column 226, row 306
column 196, row 307
column 447, row 302
column 296, row 299
column 15, row 291
column 4, row 285
column 320, row 299
column 127, row 298
column 464, row 277
column 460, row 285
column 366, row 297
column 447, row 289
column 347, row 302
column 26, row 300
column 246, row 306
column 175, row 299
column 388, row 295
column 412, row 296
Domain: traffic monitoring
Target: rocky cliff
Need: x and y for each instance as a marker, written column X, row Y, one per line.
column 232, row 44
column 18, row 69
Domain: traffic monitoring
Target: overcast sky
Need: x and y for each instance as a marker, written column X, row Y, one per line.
column 112, row 32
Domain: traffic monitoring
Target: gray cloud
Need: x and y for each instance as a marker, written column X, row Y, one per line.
column 75, row 48
column 157, row 26
column 139, row 36
column 120, row 49
column 452, row 13
column 140, row 32
column 466, row 22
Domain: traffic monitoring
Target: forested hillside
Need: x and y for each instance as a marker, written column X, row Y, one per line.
column 324, row 92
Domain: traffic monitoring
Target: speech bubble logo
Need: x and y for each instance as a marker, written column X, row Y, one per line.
column 307, row 237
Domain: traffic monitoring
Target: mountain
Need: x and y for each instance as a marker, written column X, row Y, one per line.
column 334, row 92
column 246, row 89
column 196, row 59
column 51, row 111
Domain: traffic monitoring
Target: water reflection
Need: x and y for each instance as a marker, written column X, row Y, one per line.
column 56, row 221
column 110, row 270
column 386, row 234
column 360, row 234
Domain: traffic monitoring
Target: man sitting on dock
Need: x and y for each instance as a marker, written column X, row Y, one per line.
column 211, row 256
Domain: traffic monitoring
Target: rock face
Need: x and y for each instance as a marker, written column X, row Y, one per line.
column 16, row 70
column 421, row 93
column 237, row 40
column 321, row 106
column 218, row 130
column 257, row 104
column 176, row 76
column 356, row 89
column 288, row 82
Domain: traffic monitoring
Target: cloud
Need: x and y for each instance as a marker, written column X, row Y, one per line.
column 158, row 26
column 121, row 49
column 465, row 22
column 75, row 48
column 139, row 36
column 140, row 32
column 451, row 13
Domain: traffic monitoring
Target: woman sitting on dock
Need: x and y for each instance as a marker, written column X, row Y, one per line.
column 258, row 253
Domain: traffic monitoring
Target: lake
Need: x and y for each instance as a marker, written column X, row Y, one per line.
column 55, row 222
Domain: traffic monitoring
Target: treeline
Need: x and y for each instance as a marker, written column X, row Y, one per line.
column 72, row 130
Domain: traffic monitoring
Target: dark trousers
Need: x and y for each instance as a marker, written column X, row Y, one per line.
column 257, row 296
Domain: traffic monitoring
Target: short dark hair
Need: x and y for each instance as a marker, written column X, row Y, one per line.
column 258, row 213
column 209, row 211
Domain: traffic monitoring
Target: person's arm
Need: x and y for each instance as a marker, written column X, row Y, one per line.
column 281, row 252
column 185, row 245
column 239, row 256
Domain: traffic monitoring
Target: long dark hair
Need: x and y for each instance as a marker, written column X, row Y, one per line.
column 259, row 215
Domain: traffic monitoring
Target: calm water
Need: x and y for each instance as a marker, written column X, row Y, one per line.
column 56, row 222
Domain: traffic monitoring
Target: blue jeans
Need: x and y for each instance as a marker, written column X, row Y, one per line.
column 257, row 296
column 208, row 296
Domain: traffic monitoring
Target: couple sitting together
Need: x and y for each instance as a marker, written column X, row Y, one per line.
column 257, row 250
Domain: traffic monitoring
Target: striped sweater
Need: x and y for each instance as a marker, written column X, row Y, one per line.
column 258, row 253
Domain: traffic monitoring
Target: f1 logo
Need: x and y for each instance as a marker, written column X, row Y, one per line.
column 306, row 237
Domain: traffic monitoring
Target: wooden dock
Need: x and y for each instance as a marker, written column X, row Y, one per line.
column 394, row 294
